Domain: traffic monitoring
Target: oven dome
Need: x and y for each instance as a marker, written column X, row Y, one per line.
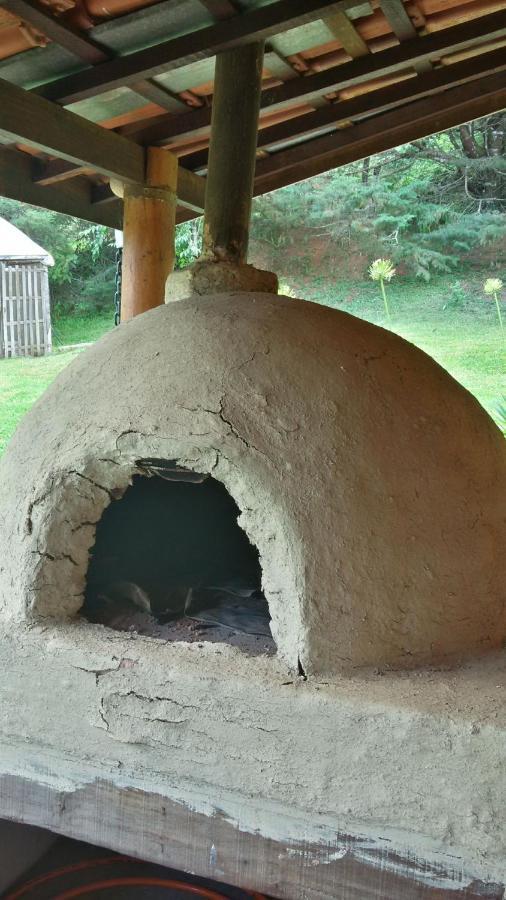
column 370, row 482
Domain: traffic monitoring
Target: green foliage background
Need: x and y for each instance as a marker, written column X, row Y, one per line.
column 82, row 278
column 425, row 206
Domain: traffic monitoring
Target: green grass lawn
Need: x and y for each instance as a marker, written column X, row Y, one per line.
column 463, row 336
column 23, row 380
column 80, row 329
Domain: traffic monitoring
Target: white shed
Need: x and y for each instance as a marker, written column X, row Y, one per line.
column 25, row 315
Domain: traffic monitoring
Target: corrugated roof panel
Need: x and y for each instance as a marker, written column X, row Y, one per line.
column 38, row 65
column 108, row 106
column 151, row 25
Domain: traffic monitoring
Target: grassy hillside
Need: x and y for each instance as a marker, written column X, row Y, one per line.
column 455, row 325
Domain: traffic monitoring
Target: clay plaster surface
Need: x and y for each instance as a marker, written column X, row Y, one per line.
column 372, row 485
column 206, row 277
column 414, row 762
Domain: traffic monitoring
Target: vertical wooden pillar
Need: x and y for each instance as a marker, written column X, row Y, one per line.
column 149, row 221
column 232, row 153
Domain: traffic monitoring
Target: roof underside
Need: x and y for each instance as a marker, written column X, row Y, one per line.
column 342, row 80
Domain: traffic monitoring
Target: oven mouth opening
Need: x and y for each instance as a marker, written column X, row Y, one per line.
column 170, row 561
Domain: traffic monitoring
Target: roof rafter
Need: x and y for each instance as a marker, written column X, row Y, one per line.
column 357, row 108
column 397, row 17
column 258, row 24
column 330, row 115
column 346, row 33
column 386, row 98
column 381, row 132
column 72, row 198
column 56, row 131
column 273, row 59
column 396, row 59
column 457, row 105
column 85, row 48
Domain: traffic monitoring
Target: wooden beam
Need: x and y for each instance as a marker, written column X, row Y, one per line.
column 220, row 9
column 190, row 187
column 190, row 190
column 156, row 93
column 356, row 108
column 274, row 61
column 72, row 198
column 406, row 123
column 231, row 169
column 344, row 30
column 54, row 171
column 396, row 59
column 226, row 9
column 397, row 17
column 59, row 132
column 432, row 82
column 85, row 48
column 56, row 131
column 149, row 219
column 254, row 25
column 135, row 821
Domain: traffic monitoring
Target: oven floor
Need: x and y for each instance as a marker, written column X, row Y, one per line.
column 190, row 631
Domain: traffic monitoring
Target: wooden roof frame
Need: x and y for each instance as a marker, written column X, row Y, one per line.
column 73, row 157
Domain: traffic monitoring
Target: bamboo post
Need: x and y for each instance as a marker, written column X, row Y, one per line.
column 149, row 221
column 232, row 153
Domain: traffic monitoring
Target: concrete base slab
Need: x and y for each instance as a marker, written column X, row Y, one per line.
column 212, row 277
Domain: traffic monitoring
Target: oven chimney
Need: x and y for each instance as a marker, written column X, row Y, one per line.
column 229, row 184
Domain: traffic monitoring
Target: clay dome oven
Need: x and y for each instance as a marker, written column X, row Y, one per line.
column 360, row 483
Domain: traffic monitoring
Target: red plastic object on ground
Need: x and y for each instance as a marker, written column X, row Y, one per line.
column 113, row 877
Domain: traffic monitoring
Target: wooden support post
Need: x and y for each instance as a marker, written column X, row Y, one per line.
column 149, row 221
column 232, row 153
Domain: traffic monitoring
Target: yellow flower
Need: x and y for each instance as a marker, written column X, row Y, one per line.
column 382, row 270
column 493, row 286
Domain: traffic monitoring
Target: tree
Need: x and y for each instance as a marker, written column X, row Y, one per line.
column 425, row 204
column 82, row 278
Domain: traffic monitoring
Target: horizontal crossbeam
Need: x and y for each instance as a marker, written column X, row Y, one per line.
column 85, row 48
column 72, row 198
column 255, row 25
column 58, row 132
column 403, row 124
column 355, row 108
column 376, row 65
column 53, row 130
